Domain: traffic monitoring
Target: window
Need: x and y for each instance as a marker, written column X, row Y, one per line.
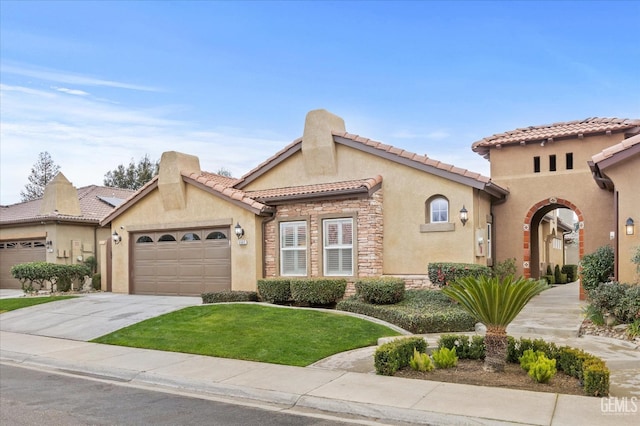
column 216, row 235
column 536, row 164
column 190, row 236
column 569, row 160
column 439, row 208
column 338, row 246
column 167, row 237
column 293, row 248
column 552, row 163
column 144, row 239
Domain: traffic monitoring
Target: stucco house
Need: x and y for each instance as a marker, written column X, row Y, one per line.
column 330, row 204
column 61, row 227
column 589, row 166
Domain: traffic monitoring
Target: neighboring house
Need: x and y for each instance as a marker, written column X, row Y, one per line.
column 61, row 227
column 330, row 204
column 554, row 166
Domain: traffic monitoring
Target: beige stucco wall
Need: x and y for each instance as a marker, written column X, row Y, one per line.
column 407, row 250
column 626, row 177
column 512, row 167
column 201, row 209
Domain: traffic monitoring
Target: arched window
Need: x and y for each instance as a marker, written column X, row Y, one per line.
column 144, row 239
column 167, row 237
column 437, row 209
column 190, row 236
column 216, row 235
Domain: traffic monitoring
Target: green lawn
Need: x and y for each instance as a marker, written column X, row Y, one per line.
column 22, row 302
column 252, row 332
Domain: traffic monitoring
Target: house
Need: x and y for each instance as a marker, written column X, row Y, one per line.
column 588, row 166
column 61, row 227
column 330, row 204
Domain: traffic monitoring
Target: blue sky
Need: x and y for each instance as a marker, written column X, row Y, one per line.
column 97, row 84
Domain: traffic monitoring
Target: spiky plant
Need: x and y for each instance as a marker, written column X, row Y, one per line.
column 494, row 303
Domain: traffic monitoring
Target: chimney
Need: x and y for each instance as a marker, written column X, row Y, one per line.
column 170, row 184
column 318, row 148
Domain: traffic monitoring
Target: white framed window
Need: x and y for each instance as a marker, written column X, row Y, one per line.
column 293, row 248
column 338, row 246
column 439, row 208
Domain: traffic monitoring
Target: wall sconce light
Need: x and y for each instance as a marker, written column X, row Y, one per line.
column 464, row 215
column 116, row 238
column 49, row 245
column 629, row 227
column 239, row 231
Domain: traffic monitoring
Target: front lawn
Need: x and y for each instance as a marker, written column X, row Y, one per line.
column 23, row 302
column 252, row 332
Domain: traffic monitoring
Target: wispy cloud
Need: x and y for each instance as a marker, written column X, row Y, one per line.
column 71, row 91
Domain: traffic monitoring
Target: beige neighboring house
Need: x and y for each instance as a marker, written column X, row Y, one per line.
column 588, row 166
column 61, row 227
column 330, row 204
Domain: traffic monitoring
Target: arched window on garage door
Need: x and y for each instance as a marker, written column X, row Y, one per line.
column 216, row 235
column 190, row 236
column 144, row 239
column 166, row 238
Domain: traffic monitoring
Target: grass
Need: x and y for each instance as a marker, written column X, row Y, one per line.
column 11, row 304
column 252, row 332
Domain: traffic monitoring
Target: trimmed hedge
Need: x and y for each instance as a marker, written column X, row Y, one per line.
column 590, row 370
column 317, row 291
column 397, row 354
column 441, row 273
column 34, row 276
column 230, row 296
column 380, row 290
column 571, row 271
column 275, row 290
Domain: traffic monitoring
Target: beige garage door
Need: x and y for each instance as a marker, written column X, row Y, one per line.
column 15, row 252
column 184, row 263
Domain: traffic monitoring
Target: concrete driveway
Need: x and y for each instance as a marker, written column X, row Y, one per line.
column 89, row 316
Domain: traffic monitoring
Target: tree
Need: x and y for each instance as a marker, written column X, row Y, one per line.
column 224, row 172
column 42, row 172
column 133, row 176
column 494, row 303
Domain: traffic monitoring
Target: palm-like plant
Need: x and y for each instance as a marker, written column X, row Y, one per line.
column 494, row 303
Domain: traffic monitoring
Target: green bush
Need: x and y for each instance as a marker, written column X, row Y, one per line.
column 63, row 284
column 593, row 314
column 550, row 279
column 230, row 296
column 597, row 267
column 606, row 297
column 628, row 310
column 275, row 290
column 465, row 348
column 556, row 274
column 528, row 358
column 543, row 369
column 96, row 281
column 571, row 271
column 505, row 268
column 318, row 291
column 445, row 357
column 549, row 271
column 91, row 263
column 380, row 290
column 421, row 362
column 397, row 354
column 35, row 275
column 441, row 273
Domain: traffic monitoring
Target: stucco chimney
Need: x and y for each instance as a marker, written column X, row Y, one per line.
column 60, row 197
column 170, row 184
column 318, row 148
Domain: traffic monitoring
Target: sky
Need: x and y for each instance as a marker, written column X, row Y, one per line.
column 99, row 84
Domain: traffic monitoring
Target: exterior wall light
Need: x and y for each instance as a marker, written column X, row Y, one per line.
column 464, row 215
column 49, row 245
column 116, row 238
column 629, row 227
column 239, row 231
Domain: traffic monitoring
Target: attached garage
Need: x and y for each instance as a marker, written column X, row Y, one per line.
column 181, row 262
column 15, row 252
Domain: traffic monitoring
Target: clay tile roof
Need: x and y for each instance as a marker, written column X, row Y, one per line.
column 95, row 204
column 618, row 148
column 593, row 125
column 308, row 191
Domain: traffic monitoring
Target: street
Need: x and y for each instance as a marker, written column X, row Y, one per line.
column 34, row 397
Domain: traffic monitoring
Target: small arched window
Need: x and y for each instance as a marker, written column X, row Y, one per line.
column 190, row 236
column 438, row 209
column 167, row 237
column 144, row 239
column 216, row 235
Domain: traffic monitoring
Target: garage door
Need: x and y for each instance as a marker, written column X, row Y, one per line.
column 15, row 252
column 184, row 263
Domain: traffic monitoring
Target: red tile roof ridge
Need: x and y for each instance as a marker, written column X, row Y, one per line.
column 316, row 188
column 614, row 149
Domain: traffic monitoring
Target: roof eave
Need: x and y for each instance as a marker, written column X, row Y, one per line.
column 260, row 210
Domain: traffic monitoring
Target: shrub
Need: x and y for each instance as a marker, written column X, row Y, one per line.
column 634, row 329
column 96, row 281
column 571, row 271
column 628, row 310
column 465, row 348
column 34, row 275
column 397, row 354
column 230, row 296
column 318, row 291
column 445, row 357
column 543, row 369
column 597, row 267
column 275, row 290
column 556, row 274
column 550, row 279
column 91, row 263
column 442, row 273
column 505, row 268
column 595, row 380
column 528, row 358
column 421, row 362
column 608, row 298
column 593, row 314
column 380, row 290
column 549, row 271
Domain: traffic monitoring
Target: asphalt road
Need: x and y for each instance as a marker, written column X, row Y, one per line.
column 36, row 397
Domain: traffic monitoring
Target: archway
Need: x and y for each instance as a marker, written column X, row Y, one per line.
column 531, row 255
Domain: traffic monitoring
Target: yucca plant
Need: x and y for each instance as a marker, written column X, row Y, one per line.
column 494, row 303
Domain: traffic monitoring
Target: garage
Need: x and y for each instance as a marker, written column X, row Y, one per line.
column 181, row 262
column 15, row 252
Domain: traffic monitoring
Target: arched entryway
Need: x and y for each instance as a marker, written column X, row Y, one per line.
column 531, row 255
